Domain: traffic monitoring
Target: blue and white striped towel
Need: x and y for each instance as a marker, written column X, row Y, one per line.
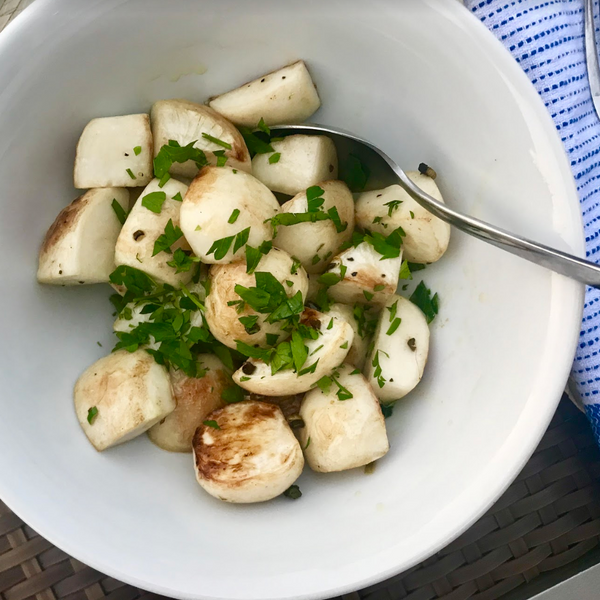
column 546, row 37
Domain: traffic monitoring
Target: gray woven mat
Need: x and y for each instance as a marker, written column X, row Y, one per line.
column 548, row 518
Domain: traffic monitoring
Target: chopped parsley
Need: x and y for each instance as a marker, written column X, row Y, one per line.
column 182, row 262
column 378, row 372
column 164, row 241
column 174, row 153
column 393, row 310
column 234, row 215
column 422, row 298
column 232, row 394
column 221, row 158
column 163, row 180
column 211, row 423
column 262, row 126
column 137, row 150
column 392, row 206
column 274, row 158
column 221, row 247
column 405, row 272
column 253, row 255
column 217, row 141
column 386, row 410
column 257, row 142
column 293, row 492
column 395, row 324
column 130, row 173
column 92, row 414
column 250, row 324
column 307, row 443
column 355, row 173
column 119, row 211
column 154, row 201
column 368, row 295
column 178, row 197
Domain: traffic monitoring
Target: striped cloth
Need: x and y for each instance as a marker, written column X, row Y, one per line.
column 546, row 37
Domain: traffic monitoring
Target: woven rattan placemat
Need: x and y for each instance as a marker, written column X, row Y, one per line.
column 548, row 518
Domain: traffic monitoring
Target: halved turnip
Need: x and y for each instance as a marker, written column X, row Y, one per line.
column 135, row 245
column 366, row 278
column 220, row 204
column 246, row 453
column 287, row 95
column 313, row 244
column 384, row 210
column 298, row 162
column 324, row 354
column 196, row 397
column 342, row 434
column 360, row 343
column 120, row 396
column 79, row 247
column 224, row 320
column 186, row 122
column 396, row 363
column 114, row 152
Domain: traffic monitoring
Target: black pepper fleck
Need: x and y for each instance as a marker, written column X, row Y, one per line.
column 248, row 368
column 355, row 274
column 412, row 344
column 138, row 234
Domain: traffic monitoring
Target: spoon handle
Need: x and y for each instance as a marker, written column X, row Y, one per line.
column 560, row 262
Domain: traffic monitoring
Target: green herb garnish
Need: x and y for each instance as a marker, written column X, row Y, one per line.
column 164, row 241
column 234, row 215
column 422, row 298
column 217, row 141
column 137, row 150
column 293, row 492
column 154, row 201
column 274, row 158
column 130, row 173
column 92, row 414
column 211, row 423
column 119, row 211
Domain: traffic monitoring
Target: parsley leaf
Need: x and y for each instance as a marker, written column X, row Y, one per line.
column 250, row 324
column 355, row 173
column 241, row 239
column 405, row 271
column 386, row 410
column 293, row 492
column 211, row 423
column 119, row 211
column 217, row 141
column 233, row 394
column 181, row 262
column 299, row 351
column 255, row 144
column 154, row 201
column 174, row 153
column 130, row 173
column 274, row 158
column 253, row 255
column 422, row 298
column 178, row 197
column 234, row 215
column 263, row 126
column 92, row 414
column 378, row 372
column 395, row 324
column 137, row 150
column 164, row 241
column 392, row 206
column 220, row 248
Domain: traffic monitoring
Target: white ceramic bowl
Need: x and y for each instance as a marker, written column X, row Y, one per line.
column 423, row 80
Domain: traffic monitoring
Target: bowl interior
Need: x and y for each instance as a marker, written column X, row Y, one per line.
column 424, row 81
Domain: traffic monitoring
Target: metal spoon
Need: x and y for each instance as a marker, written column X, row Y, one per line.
column 385, row 171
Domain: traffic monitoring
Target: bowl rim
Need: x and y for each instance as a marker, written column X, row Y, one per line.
column 566, row 299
